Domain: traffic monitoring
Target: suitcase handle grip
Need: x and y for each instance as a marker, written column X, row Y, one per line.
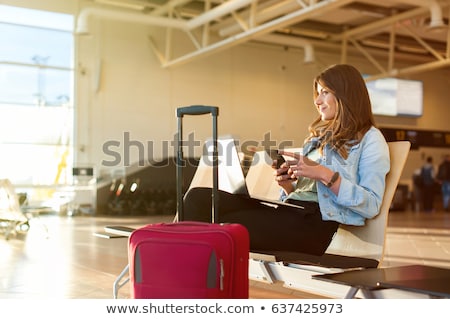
column 197, row 110
column 189, row 223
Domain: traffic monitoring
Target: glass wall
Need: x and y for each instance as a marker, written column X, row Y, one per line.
column 36, row 96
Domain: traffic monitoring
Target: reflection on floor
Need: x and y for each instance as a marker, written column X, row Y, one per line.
column 60, row 257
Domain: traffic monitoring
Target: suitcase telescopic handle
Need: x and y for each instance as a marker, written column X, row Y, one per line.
column 197, row 110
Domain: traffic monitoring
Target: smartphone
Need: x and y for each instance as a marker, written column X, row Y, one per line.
column 275, row 156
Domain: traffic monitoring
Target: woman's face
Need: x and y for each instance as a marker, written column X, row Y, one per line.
column 326, row 103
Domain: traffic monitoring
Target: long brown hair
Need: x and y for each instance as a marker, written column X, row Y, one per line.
column 354, row 111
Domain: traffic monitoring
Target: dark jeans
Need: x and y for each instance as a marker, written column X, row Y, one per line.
column 282, row 228
column 428, row 197
column 445, row 194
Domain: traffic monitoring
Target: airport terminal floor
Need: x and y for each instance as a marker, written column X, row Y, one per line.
column 60, row 258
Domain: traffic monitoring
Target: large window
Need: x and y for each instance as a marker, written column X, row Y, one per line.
column 36, row 96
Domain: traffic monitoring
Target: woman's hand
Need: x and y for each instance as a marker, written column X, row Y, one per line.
column 302, row 166
column 284, row 177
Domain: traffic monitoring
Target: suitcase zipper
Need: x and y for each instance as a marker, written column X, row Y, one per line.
column 222, row 274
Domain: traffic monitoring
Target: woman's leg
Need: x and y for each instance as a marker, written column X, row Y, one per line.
column 428, row 195
column 283, row 228
column 198, row 204
column 446, row 195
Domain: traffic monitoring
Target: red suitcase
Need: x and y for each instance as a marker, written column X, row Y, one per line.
column 189, row 260
column 184, row 259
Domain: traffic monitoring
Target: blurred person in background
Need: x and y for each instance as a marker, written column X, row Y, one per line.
column 443, row 178
column 428, row 179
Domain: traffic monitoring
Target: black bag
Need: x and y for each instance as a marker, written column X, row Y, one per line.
column 426, row 175
column 418, row 180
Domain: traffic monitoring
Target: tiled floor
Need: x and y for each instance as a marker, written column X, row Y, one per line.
column 418, row 238
column 59, row 257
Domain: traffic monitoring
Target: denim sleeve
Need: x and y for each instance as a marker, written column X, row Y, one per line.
column 362, row 185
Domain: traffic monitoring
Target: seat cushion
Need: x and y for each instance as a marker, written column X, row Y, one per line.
column 325, row 260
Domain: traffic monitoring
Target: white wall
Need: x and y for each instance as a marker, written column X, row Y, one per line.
column 259, row 89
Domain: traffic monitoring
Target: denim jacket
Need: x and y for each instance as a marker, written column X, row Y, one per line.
column 363, row 176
